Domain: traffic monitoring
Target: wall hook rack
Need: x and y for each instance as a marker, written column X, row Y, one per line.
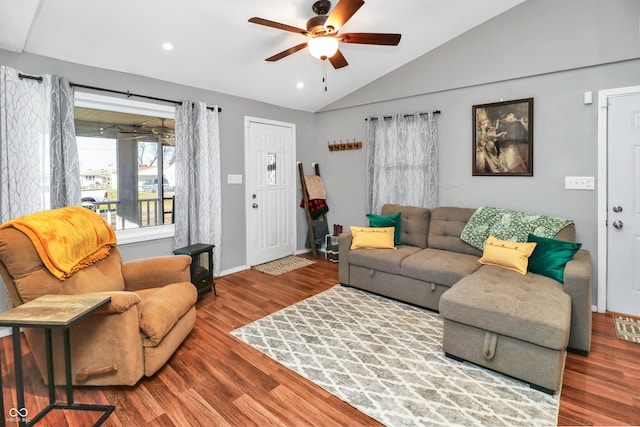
column 342, row 146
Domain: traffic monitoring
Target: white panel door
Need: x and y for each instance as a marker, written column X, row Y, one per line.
column 270, row 190
column 623, row 206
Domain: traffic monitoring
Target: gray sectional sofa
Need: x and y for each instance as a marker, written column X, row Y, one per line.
column 520, row 325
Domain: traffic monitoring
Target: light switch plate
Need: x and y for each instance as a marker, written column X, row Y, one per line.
column 234, row 179
column 579, row 183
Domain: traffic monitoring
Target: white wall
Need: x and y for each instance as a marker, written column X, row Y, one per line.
column 550, row 50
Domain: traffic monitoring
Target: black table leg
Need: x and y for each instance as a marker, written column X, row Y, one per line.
column 67, row 365
column 17, row 361
column 50, row 376
column 2, row 413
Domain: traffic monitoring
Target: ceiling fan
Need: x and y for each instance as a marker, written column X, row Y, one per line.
column 323, row 30
column 163, row 134
column 163, row 131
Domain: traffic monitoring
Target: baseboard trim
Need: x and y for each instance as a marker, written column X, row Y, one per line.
column 233, row 270
column 304, row 251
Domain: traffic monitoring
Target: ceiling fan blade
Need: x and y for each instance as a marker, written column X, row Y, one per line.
column 135, row 132
column 343, row 11
column 148, row 138
column 338, row 60
column 287, row 52
column 279, row 26
column 371, row 38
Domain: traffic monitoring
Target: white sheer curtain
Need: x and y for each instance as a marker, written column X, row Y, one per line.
column 402, row 161
column 38, row 154
column 198, row 214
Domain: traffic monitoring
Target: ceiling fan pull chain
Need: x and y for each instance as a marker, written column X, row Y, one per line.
column 324, row 74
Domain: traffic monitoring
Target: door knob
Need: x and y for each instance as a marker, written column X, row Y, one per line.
column 254, row 206
column 617, row 224
column 617, row 209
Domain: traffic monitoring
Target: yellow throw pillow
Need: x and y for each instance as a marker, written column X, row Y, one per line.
column 372, row 237
column 507, row 254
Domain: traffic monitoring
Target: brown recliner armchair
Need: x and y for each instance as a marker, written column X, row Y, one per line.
column 152, row 311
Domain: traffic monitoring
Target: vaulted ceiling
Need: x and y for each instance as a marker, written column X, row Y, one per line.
column 216, row 48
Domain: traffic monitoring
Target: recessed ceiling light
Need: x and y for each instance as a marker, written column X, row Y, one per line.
column 167, row 46
column 300, row 85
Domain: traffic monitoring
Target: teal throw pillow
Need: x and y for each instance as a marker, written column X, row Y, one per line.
column 392, row 220
column 551, row 256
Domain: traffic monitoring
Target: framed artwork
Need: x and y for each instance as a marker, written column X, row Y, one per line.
column 503, row 138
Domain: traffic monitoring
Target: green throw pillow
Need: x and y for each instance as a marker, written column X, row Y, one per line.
column 551, row 256
column 392, row 220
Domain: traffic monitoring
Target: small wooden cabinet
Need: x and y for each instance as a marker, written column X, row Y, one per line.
column 201, row 266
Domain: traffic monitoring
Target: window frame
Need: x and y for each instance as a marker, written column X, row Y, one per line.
column 122, row 105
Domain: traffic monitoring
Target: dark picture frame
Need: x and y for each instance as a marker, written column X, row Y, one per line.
column 503, row 138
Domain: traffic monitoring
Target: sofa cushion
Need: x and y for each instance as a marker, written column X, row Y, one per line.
column 414, row 226
column 529, row 307
column 551, row 256
column 507, row 254
column 387, row 260
column 438, row 266
column 372, row 237
column 445, row 228
column 393, row 220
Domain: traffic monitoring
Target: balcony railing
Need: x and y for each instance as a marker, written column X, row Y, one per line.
column 150, row 212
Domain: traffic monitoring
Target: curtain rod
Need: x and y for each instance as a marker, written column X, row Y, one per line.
column 127, row 93
column 406, row 115
column 28, row 77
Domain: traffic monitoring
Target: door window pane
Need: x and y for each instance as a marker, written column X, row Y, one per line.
column 271, row 169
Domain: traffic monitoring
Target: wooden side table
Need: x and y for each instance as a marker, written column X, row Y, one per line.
column 51, row 312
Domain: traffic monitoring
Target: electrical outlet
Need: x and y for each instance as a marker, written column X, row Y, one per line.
column 579, row 183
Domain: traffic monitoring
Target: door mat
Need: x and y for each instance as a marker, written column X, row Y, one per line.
column 627, row 328
column 283, row 265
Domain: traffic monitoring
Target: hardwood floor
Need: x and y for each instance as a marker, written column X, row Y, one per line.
column 215, row 380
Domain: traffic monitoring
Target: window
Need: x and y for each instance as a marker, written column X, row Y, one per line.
column 126, row 151
column 271, row 169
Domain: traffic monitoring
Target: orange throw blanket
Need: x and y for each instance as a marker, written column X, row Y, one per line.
column 67, row 239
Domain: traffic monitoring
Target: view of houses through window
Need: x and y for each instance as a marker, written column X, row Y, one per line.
column 127, row 166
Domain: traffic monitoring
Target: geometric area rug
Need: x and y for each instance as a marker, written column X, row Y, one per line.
column 627, row 328
column 385, row 358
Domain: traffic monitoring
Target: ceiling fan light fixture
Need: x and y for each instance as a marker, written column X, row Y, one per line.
column 323, row 47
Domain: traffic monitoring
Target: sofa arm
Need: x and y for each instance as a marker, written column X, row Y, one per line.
column 577, row 283
column 156, row 272
column 344, row 246
column 121, row 301
column 106, row 346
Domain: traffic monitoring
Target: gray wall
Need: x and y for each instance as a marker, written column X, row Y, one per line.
column 549, row 50
column 234, row 109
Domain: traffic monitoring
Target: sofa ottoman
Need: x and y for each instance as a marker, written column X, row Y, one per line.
column 512, row 323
